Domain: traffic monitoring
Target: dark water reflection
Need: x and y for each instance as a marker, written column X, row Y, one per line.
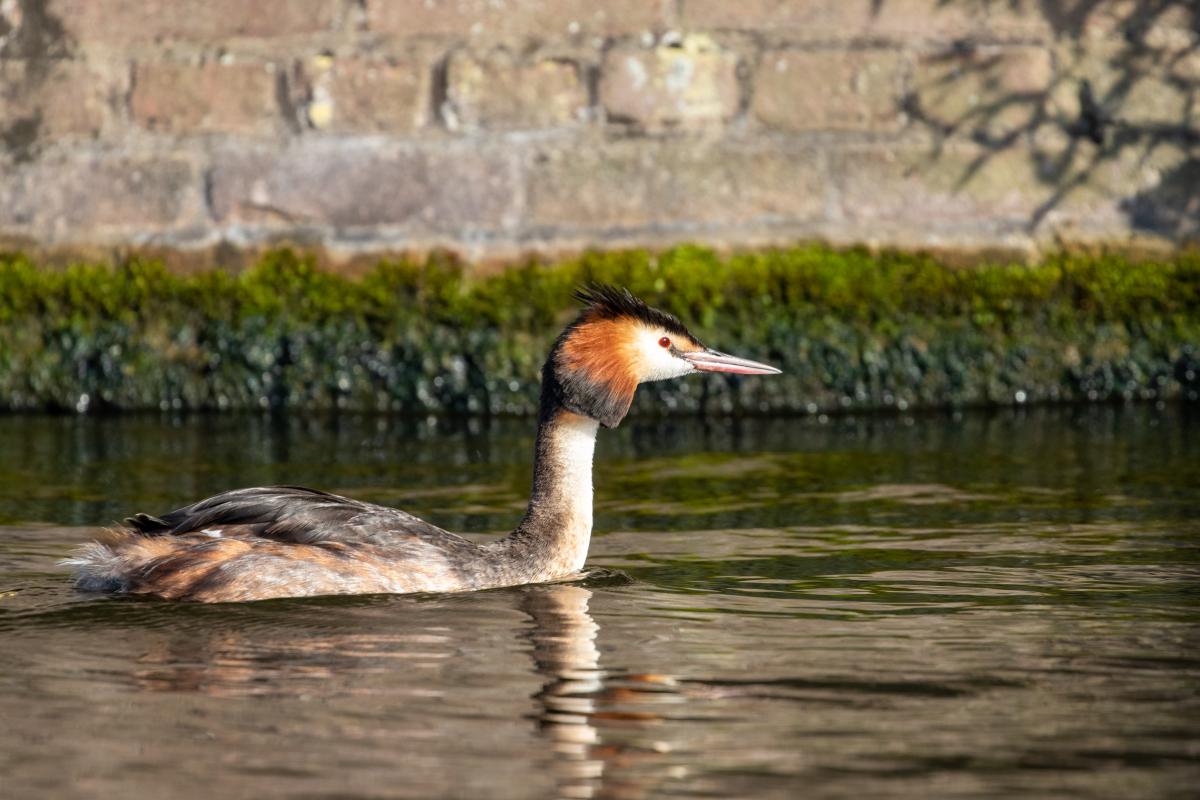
column 984, row 605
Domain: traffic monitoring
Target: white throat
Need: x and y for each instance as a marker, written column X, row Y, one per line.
column 560, row 510
column 574, row 448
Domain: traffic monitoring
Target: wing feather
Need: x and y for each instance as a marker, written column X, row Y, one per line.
column 298, row 515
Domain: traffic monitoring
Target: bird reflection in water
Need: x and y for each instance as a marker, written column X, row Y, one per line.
column 579, row 700
column 603, row 727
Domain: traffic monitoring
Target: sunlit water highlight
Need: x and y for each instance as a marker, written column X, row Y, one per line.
column 978, row 605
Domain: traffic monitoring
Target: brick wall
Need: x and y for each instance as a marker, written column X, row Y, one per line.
column 496, row 126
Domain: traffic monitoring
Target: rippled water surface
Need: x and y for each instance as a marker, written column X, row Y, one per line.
column 975, row 605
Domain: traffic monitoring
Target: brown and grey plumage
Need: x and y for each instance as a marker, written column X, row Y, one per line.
column 286, row 541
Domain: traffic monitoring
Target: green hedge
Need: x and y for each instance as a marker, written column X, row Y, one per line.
column 850, row 330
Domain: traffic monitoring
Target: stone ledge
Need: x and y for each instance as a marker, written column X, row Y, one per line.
column 628, row 185
column 365, row 186
column 108, row 194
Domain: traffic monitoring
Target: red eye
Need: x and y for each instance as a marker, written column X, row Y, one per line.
column 664, row 342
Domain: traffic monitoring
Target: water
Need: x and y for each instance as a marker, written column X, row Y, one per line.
column 981, row 605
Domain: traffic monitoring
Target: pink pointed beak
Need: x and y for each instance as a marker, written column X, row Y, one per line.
column 712, row 361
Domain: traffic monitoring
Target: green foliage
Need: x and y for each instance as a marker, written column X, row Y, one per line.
column 851, row 329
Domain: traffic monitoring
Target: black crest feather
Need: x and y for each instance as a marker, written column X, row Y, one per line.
column 610, row 302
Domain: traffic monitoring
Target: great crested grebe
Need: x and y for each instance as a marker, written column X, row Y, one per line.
column 287, row 541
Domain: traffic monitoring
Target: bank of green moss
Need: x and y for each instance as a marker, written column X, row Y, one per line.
column 850, row 330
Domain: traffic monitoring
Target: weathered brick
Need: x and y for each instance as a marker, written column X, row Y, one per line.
column 239, row 97
column 627, row 186
column 1167, row 26
column 928, row 19
column 353, row 95
column 345, row 187
column 1128, row 85
column 123, row 22
column 26, row 33
column 1170, row 205
column 841, row 90
column 1175, row 29
column 499, row 91
column 54, row 98
column 846, row 65
column 817, row 20
column 515, row 20
column 1153, row 100
column 687, row 83
column 96, row 197
column 1106, row 190
column 995, row 90
column 1186, row 67
column 1020, row 19
column 960, row 190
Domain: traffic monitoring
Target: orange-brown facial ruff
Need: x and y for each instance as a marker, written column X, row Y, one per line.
column 615, row 344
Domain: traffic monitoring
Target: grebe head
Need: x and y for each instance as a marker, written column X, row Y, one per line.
column 618, row 342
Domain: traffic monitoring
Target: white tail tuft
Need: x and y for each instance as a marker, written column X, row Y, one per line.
column 98, row 568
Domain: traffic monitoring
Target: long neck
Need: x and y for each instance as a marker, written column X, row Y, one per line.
column 552, row 540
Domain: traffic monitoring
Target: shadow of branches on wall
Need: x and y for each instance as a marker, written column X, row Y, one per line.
column 1105, row 104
